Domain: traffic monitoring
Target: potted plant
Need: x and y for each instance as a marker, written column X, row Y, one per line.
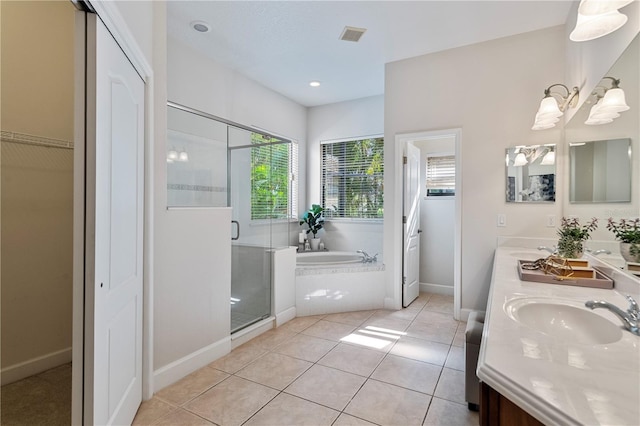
column 315, row 221
column 572, row 235
column 627, row 231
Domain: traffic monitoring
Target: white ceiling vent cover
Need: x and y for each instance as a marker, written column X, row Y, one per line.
column 352, row 34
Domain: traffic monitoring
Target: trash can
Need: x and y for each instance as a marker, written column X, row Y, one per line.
column 473, row 337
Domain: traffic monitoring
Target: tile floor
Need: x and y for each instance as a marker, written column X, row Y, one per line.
column 358, row 368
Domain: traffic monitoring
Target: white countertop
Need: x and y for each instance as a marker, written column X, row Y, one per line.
column 555, row 381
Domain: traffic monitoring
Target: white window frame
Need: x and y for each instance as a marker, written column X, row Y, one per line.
column 336, row 141
column 427, row 196
column 292, row 208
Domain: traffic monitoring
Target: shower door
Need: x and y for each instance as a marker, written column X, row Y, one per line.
column 258, row 195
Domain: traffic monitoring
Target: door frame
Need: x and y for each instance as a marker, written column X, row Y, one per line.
column 401, row 141
column 115, row 23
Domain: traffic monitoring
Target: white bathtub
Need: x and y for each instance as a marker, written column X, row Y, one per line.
column 332, row 282
column 327, row 257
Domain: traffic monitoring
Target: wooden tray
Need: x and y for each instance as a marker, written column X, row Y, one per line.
column 634, row 268
column 578, row 262
column 600, row 280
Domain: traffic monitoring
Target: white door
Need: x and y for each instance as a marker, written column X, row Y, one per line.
column 411, row 223
column 114, row 231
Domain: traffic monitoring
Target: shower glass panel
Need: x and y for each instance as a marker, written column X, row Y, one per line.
column 196, row 160
column 212, row 162
column 259, row 197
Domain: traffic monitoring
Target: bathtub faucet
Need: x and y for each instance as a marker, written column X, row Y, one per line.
column 366, row 258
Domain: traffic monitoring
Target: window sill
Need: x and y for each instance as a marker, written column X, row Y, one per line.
column 355, row 220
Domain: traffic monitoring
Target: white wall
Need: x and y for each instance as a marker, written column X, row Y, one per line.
column 37, row 187
column 357, row 118
column 491, row 90
column 437, row 222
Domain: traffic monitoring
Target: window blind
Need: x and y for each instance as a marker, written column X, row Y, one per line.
column 293, row 180
column 441, row 175
column 352, row 178
column 273, row 179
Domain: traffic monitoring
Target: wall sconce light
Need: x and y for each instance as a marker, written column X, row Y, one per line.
column 550, row 110
column 174, row 155
column 529, row 154
column 597, row 18
column 549, row 159
column 608, row 105
column 520, row 160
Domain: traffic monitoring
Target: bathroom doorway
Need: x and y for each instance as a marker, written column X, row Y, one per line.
column 36, row 179
column 440, row 211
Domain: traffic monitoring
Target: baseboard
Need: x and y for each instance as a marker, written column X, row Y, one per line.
column 436, row 289
column 286, row 315
column 390, row 303
column 464, row 314
column 176, row 370
column 243, row 336
column 34, row 366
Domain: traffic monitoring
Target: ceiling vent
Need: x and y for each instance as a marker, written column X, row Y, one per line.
column 352, row 34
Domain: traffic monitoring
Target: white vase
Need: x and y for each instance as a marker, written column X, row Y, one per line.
column 315, row 243
column 625, row 252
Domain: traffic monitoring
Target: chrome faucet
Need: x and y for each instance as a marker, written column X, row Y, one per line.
column 597, row 252
column 630, row 318
column 366, row 258
column 552, row 250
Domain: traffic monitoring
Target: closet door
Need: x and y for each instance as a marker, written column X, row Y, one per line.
column 113, row 274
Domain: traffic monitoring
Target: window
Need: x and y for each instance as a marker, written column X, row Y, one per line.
column 352, row 178
column 274, row 180
column 441, row 175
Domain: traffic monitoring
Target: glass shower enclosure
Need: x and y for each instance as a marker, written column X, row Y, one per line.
column 258, row 189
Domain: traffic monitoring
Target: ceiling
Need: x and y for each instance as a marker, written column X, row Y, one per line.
column 286, row 44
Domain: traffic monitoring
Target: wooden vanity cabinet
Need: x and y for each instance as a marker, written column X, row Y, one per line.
column 497, row 410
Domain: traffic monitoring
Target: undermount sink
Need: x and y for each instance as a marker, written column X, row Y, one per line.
column 564, row 320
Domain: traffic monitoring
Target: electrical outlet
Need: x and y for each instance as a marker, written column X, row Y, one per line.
column 502, row 220
column 551, row 221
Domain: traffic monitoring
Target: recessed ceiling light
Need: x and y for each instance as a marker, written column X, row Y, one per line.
column 314, row 83
column 200, row 26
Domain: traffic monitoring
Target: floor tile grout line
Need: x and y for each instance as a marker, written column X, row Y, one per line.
column 316, row 362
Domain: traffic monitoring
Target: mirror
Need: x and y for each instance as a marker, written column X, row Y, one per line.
column 600, row 171
column 531, row 174
column 625, row 130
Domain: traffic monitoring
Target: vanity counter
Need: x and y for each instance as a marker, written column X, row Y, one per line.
column 556, row 381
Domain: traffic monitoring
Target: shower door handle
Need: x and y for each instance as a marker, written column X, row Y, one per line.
column 237, row 229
